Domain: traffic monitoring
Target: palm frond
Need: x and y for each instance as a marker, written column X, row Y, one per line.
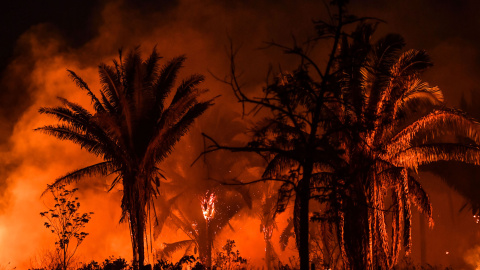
column 163, row 143
column 377, row 73
column 83, row 85
column 66, row 115
column 420, row 198
column 421, row 96
column 188, row 85
column 132, row 81
column 102, row 168
column 165, row 212
column 111, row 86
column 285, row 194
column 64, row 132
column 436, row 124
column 170, row 248
column 426, row 154
column 411, row 62
column 178, row 110
column 151, row 69
column 164, row 83
column 286, row 234
column 278, row 165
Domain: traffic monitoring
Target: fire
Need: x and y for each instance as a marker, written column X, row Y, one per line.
column 267, row 231
column 208, row 205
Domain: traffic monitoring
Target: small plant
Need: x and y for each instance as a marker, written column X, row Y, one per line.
column 229, row 258
column 185, row 260
column 64, row 220
column 109, row 264
column 112, row 263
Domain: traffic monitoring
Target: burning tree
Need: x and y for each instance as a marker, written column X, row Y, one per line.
column 201, row 225
column 132, row 128
column 64, row 220
column 189, row 204
column 208, row 210
column 208, row 205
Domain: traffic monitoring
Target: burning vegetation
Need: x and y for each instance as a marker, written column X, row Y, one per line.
column 325, row 157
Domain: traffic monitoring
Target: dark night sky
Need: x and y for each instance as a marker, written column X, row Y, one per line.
column 84, row 33
column 74, row 19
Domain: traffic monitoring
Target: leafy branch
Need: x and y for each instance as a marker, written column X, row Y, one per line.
column 64, row 220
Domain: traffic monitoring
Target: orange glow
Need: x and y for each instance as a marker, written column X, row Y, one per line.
column 208, row 205
column 31, row 160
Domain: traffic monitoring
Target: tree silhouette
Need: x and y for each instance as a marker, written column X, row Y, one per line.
column 229, row 259
column 132, row 128
column 292, row 138
column 228, row 203
column 352, row 132
column 387, row 123
column 64, row 220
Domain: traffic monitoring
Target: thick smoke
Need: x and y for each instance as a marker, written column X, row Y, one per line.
column 198, row 29
column 201, row 30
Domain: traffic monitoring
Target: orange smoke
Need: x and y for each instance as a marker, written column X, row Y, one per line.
column 196, row 28
column 186, row 28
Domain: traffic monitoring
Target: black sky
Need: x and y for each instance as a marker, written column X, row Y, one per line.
column 75, row 20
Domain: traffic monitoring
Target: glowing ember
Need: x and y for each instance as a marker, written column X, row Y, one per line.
column 208, row 205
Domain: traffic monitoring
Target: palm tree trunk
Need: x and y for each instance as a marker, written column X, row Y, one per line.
column 136, row 210
column 203, row 246
column 268, row 254
column 140, row 242
column 209, row 248
column 356, row 233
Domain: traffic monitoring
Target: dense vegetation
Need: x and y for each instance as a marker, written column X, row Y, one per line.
column 342, row 140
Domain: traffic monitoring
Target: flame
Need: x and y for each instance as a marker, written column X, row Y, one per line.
column 208, row 205
column 267, row 232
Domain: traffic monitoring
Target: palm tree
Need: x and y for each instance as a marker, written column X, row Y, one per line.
column 388, row 123
column 229, row 201
column 133, row 128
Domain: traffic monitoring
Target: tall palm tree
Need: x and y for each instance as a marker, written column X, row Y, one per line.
column 388, row 123
column 133, row 128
